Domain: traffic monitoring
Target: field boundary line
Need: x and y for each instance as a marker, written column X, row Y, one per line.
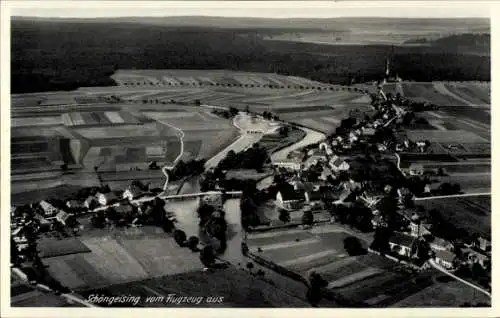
column 441, row 269
column 454, row 196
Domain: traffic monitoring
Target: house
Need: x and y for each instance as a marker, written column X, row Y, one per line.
column 416, row 170
column 48, row 209
column 132, row 192
column 337, row 164
column 325, row 174
column 293, row 165
column 402, row 244
column 66, row 219
column 379, row 221
column 368, row 132
column 289, row 198
column 381, row 147
column 107, row 198
column 90, row 203
column 471, row 256
column 353, row 137
column 75, row 204
column 439, row 244
column 483, row 244
column 446, row 259
column 371, row 197
column 44, row 224
column 214, row 200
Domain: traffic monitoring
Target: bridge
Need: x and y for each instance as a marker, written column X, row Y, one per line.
column 230, row 194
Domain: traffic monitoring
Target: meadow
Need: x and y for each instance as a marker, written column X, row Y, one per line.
column 470, row 213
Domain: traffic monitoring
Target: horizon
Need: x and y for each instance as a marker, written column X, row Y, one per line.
column 250, row 17
column 246, row 9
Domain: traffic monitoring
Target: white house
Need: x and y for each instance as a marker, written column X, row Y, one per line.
column 48, row 209
column 416, row 170
column 446, row 259
column 75, row 204
column 107, row 198
column 402, row 244
column 133, row 192
column 290, row 199
column 289, row 165
column 439, row 244
column 337, row 164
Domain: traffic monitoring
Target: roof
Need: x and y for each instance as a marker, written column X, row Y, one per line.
column 401, row 239
column 369, row 131
column 46, row 205
column 440, row 242
column 445, row 255
column 109, row 195
column 62, row 216
column 289, row 194
column 135, row 190
column 90, row 198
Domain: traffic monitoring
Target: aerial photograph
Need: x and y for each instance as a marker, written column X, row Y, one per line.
column 250, row 158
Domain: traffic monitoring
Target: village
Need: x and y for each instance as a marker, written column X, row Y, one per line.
column 353, row 179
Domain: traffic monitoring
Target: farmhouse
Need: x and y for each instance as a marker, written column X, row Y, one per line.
column 75, row 204
column 214, row 200
column 471, row 256
column 133, row 192
column 48, row 209
column 44, row 224
column 337, row 164
column 446, row 259
column 66, row 219
column 402, row 244
column 293, row 165
column 289, row 199
column 416, row 170
column 91, row 202
column 439, row 244
column 483, row 244
column 107, row 198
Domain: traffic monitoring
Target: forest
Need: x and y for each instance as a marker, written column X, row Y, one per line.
column 64, row 55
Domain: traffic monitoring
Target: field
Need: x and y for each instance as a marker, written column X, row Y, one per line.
column 234, row 287
column 121, row 257
column 470, row 213
column 444, row 294
column 369, row 279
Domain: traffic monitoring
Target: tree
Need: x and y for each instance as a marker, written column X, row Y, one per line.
column 180, row 237
column 381, row 240
column 316, row 283
column 207, row 256
column 284, row 216
column 353, row 246
column 205, row 212
column 250, row 266
column 192, row 243
column 308, row 217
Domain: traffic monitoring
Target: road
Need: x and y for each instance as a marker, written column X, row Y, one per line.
column 441, row 269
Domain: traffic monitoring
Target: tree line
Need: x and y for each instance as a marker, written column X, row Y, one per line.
column 66, row 55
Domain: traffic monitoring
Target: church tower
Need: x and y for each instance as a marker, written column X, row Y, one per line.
column 415, row 225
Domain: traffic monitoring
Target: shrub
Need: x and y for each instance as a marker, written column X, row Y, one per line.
column 180, row 237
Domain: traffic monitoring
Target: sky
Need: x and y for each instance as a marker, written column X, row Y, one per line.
column 263, row 9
